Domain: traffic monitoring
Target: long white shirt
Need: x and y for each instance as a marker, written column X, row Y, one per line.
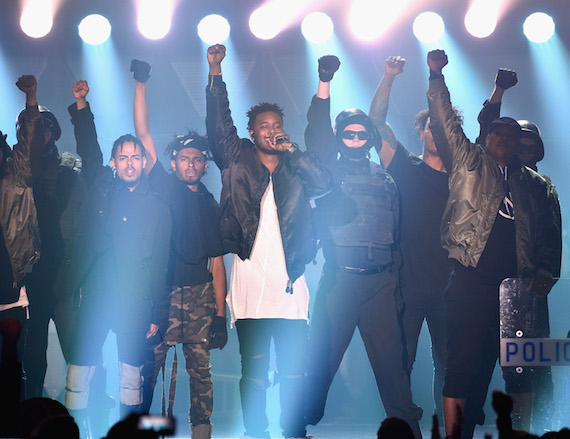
column 258, row 285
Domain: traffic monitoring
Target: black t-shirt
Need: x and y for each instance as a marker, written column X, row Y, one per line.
column 423, row 196
column 195, row 228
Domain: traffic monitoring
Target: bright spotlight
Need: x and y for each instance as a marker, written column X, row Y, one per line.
column 317, row 27
column 266, row 22
column 213, row 29
column 37, row 19
column 94, row 29
column 428, row 27
column 155, row 18
column 538, row 27
column 480, row 22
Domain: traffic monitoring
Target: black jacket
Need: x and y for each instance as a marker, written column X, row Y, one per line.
column 298, row 178
column 121, row 248
column 18, row 218
column 477, row 188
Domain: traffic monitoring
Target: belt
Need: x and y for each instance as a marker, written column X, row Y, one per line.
column 367, row 270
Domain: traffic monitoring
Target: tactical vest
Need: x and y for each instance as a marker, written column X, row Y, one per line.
column 360, row 211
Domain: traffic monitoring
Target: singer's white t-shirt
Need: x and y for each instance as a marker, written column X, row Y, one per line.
column 258, row 285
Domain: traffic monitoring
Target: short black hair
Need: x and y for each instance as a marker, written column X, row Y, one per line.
column 124, row 139
column 262, row 107
column 423, row 116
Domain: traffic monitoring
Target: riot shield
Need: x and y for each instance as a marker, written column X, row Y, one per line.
column 528, row 352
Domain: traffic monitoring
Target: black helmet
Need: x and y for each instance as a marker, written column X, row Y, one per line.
column 356, row 116
column 49, row 119
column 531, row 131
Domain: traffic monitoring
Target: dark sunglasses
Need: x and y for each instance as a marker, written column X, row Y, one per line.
column 349, row 135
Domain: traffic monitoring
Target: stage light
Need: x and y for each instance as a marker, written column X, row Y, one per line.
column 481, row 20
column 370, row 19
column 428, row 27
column 155, row 18
column 37, row 19
column 266, row 22
column 94, row 29
column 366, row 19
column 213, row 29
column 317, row 27
column 538, row 27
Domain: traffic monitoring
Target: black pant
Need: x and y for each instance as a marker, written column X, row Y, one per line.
column 428, row 306
column 344, row 302
column 43, row 308
column 472, row 315
column 290, row 339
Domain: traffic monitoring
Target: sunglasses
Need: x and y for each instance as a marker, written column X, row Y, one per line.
column 349, row 135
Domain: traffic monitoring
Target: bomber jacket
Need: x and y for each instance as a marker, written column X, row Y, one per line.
column 18, row 217
column 298, row 178
column 477, row 187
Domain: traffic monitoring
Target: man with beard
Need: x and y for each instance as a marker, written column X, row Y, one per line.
column 117, row 267
column 194, row 313
column 266, row 221
column 358, row 226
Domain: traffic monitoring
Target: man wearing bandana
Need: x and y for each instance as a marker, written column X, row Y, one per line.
column 194, row 312
column 357, row 224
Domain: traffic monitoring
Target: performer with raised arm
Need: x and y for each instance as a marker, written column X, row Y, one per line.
column 267, row 222
column 532, row 390
column 194, row 312
column 117, row 266
column 358, row 228
column 423, row 186
column 498, row 223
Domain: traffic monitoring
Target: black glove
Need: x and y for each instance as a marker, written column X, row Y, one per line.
column 328, row 65
column 506, row 78
column 218, row 333
column 141, row 70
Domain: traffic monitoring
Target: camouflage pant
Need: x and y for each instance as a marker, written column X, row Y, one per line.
column 189, row 313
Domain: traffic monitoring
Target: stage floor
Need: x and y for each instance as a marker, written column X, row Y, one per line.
column 357, row 431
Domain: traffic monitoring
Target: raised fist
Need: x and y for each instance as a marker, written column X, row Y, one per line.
column 216, row 53
column 328, row 65
column 506, row 78
column 437, row 60
column 394, row 65
column 27, row 83
column 140, row 70
column 80, row 89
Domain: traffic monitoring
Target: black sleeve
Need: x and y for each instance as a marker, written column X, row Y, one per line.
column 86, row 139
column 159, row 180
column 488, row 114
column 223, row 139
column 319, row 137
column 317, row 179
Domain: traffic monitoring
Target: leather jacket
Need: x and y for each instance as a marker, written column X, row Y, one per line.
column 18, row 217
column 477, row 187
column 298, row 178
